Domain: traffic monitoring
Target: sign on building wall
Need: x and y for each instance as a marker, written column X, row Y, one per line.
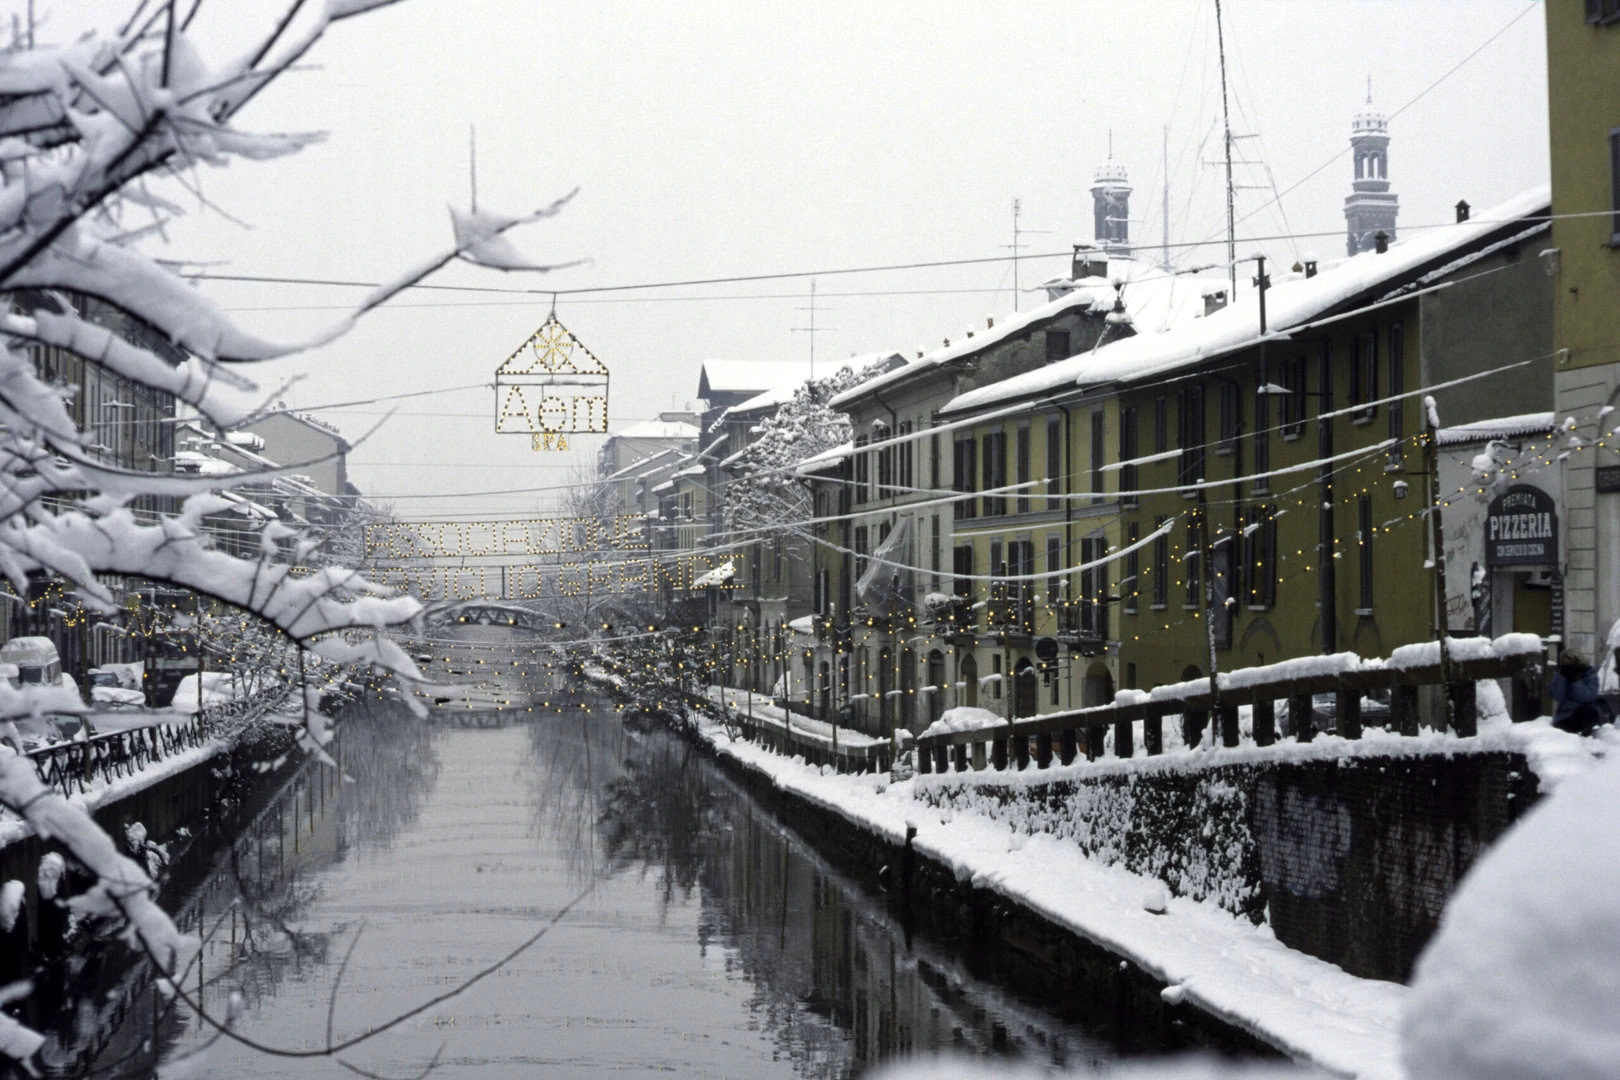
column 1521, row 528
column 550, row 388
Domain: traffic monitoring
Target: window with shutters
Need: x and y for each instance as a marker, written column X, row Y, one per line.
column 1397, row 383
column 1054, row 567
column 1098, row 455
column 966, row 475
column 1364, row 377
column 1262, row 437
column 1602, row 13
column 1231, row 418
column 1023, row 467
column 995, row 473
column 1293, row 405
column 1161, row 424
column 1365, row 531
column 1161, row 566
column 1054, row 463
column 861, row 551
column 1260, row 539
column 1130, row 584
column 1190, row 418
column 1128, row 480
column 962, row 565
column 1192, row 559
column 863, row 476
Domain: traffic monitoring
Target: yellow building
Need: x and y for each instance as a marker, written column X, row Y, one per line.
column 1583, row 98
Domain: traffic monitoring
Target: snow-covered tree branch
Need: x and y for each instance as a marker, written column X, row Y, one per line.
column 88, row 129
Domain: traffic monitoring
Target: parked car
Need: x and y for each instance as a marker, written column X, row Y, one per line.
column 124, row 676
column 37, row 662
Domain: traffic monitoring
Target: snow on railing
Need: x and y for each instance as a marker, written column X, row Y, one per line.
column 1456, row 664
column 75, row 767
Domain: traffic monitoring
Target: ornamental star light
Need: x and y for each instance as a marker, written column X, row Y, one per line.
column 551, row 387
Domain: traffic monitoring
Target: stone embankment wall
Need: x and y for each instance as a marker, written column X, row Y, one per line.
column 1349, row 859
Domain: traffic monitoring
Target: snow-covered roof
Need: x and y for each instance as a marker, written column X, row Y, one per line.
column 690, row 470
column 203, row 464
column 636, row 467
column 658, row 429
column 1152, row 298
column 826, row 458
column 749, row 376
column 784, row 392
column 1290, row 302
column 1501, row 427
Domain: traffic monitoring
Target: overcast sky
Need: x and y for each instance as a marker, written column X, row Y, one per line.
column 712, row 139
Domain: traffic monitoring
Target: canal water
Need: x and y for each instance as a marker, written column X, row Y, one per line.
column 686, row 931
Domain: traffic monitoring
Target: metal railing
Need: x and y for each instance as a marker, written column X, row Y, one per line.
column 73, row 767
column 1198, row 703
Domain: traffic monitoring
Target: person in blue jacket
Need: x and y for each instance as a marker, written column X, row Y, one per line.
column 1574, row 690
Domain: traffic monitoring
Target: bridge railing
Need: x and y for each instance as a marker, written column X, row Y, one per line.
column 74, row 767
column 792, row 735
column 1347, row 677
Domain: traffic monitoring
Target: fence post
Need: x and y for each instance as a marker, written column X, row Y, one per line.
column 998, row 754
column 942, row 758
column 1229, row 724
column 1094, row 740
column 1068, row 745
column 1021, row 751
column 1193, row 724
column 978, row 757
column 1265, row 721
column 1403, row 709
column 1299, row 717
column 1347, row 704
column 1124, row 738
column 1464, row 709
column 925, row 759
column 1043, row 749
column 1153, row 729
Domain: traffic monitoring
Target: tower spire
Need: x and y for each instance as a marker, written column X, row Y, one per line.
column 1370, row 208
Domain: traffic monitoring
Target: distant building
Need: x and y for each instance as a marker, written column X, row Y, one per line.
column 318, row 447
column 1370, row 208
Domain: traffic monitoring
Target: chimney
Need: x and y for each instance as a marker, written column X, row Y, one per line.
column 1214, row 301
column 989, row 322
column 1381, row 242
column 1462, row 210
column 1088, row 262
column 1310, row 268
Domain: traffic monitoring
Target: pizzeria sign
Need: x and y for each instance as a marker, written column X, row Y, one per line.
column 1521, row 528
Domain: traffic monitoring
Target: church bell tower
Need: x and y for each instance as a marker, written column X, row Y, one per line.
column 1370, row 208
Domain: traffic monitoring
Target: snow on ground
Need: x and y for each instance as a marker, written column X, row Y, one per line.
column 760, row 708
column 1522, row 980
column 1179, row 1068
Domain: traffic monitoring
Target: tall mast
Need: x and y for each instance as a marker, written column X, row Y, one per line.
column 1226, row 125
column 1164, row 168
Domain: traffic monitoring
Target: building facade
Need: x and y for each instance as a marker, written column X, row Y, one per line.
column 1583, row 98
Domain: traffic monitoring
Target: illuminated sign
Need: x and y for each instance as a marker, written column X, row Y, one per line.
column 550, row 388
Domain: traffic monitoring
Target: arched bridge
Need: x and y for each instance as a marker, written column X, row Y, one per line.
column 491, row 613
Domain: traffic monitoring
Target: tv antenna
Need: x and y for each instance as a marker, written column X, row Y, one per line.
column 812, row 329
column 1017, row 245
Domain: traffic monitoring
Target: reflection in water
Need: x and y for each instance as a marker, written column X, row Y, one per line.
column 837, row 983
column 711, row 942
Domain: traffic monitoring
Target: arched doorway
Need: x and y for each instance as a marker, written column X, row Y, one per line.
column 824, row 689
column 1098, row 687
column 1026, row 689
column 936, row 680
column 969, row 669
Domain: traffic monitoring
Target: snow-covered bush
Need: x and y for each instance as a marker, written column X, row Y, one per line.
column 93, row 129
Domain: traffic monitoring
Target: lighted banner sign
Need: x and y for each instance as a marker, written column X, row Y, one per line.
column 1521, row 528
column 550, row 388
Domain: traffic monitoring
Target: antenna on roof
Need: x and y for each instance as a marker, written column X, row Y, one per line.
column 812, row 329
column 1017, row 244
